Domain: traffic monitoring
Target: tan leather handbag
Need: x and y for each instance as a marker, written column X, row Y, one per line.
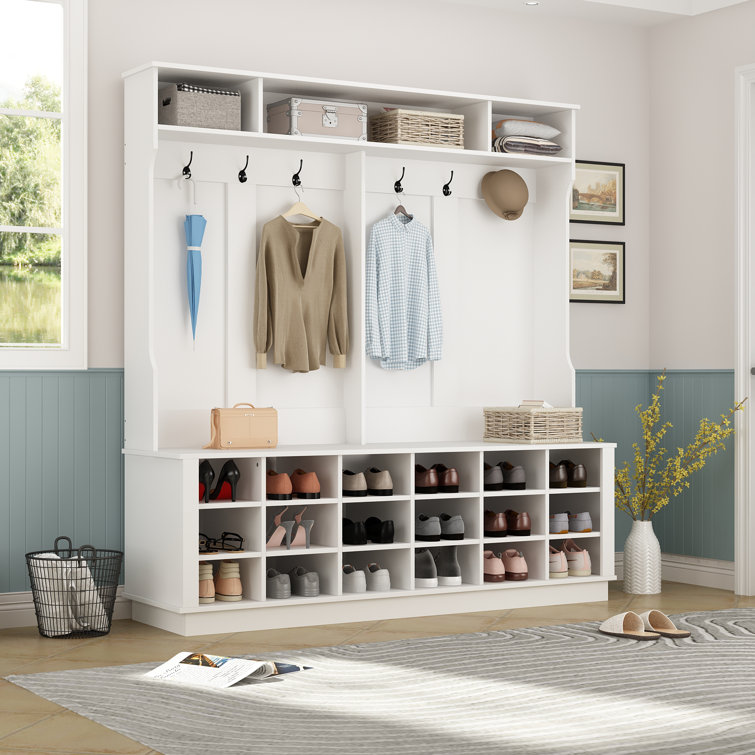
column 244, row 426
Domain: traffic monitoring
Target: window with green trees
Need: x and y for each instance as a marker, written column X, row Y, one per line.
column 31, row 224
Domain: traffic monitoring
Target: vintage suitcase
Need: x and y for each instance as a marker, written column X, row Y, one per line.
column 300, row 117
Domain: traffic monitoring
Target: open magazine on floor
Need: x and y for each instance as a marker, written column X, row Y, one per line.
column 217, row 670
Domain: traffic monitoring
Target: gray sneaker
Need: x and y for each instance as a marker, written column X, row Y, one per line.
column 278, row 585
column 514, row 477
column 449, row 571
column 493, row 477
column 451, row 527
column 428, row 528
column 425, row 571
column 304, row 583
column 378, row 578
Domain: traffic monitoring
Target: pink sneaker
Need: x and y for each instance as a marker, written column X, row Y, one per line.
column 515, row 565
column 228, row 581
column 557, row 565
column 492, row 567
column 578, row 559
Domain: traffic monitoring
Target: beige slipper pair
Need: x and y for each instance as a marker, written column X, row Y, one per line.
column 650, row 625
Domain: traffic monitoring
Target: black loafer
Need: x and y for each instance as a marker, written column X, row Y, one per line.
column 354, row 533
column 379, row 532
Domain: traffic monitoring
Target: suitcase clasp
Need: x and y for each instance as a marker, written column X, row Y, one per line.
column 329, row 116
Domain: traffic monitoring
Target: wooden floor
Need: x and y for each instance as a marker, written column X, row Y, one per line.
column 30, row 724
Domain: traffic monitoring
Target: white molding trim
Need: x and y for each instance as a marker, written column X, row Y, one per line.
column 744, row 516
column 72, row 354
column 17, row 609
column 704, row 572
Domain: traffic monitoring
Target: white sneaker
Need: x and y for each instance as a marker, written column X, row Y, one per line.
column 378, row 578
column 354, row 580
column 580, row 522
column 578, row 560
column 557, row 564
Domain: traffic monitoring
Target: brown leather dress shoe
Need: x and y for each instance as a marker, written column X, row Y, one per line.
column 305, row 484
column 495, row 524
column 425, row 480
column 278, row 486
column 448, row 478
column 576, row 474
column 558, row 475
column 518, row 524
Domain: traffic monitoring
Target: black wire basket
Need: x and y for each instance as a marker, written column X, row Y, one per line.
column 74, row 589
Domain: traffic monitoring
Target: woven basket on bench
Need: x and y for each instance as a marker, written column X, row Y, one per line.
column 526, row 424
column 418, row 127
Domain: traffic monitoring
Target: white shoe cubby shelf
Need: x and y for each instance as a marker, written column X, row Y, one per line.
column 162, row 576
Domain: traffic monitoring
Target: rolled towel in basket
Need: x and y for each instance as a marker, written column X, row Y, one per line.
column 51, row 594
column 87, row 611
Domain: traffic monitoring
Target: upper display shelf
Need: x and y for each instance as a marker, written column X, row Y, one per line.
column 456, row 126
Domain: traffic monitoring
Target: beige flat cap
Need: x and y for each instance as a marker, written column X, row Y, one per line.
column 505, row 193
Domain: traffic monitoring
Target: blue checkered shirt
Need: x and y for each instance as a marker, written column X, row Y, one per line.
column 403, row 317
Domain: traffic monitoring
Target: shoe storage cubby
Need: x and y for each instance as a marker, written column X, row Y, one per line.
column 535, row 467
column 399, row 512
column 399, row 466
column 466, row 508
column 576, row 501
column 322, row 533
column 245, row 522
column 170, row 543
column 466, row 464
column 250, row 485
column 398, row 561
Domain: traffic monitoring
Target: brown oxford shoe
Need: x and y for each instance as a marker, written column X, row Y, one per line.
column 425, row 480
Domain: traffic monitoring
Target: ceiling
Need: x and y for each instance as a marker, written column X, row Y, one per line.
column 635, row 12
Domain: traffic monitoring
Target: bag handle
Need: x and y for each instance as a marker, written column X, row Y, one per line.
column 82, row 557
column 244, row 403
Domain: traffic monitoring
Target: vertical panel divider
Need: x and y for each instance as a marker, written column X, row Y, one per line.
column 354, row 241
column 339, row 528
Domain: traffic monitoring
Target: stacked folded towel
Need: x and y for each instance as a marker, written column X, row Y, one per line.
column 528, row 137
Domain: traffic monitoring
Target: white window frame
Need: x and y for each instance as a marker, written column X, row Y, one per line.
column 72, row 352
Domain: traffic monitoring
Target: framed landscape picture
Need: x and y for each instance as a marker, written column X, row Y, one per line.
column 598, row 193
column 596, row 271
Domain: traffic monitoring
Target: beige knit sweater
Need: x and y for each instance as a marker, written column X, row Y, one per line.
column 301, row 296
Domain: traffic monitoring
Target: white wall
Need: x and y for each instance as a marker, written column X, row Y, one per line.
column 425, row 44
column 693, row 186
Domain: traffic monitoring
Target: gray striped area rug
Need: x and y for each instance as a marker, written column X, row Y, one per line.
column 562, row 689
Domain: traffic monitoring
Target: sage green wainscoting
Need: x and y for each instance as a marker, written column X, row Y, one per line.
column 61, row 467
column 700, row 522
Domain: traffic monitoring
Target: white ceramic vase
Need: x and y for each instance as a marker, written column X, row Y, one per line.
column 642, row 560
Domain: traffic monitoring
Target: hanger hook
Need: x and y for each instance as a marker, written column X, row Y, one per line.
column 447, row 187
column 242, row 172
column 295, row 180
column 186, row 171
column 397, row 187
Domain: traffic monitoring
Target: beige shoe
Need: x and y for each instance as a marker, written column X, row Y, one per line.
column 206, row 584
column 353, row 484
column 557, row 566
column 655, row 621
column 379, row 482
column 578, row 559
column 629, row 625
column 228, row 581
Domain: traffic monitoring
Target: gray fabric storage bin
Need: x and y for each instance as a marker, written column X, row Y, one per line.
column 199, row 107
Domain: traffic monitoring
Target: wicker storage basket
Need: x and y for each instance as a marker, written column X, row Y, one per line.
column 526, row 424
column 418, row 127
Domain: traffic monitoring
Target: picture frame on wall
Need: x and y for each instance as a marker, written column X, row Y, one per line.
column 596, row 271
column 597, row 193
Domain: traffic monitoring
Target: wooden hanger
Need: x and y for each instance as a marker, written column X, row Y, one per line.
column 299, row 208
column 401, row 209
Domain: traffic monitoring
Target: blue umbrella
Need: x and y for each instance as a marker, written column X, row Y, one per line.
column 194, row 226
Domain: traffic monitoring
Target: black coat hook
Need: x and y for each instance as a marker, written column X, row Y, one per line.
column 447, row 187
column 397, row 187
column 295, row 180
column 242, row 172
column 186, row 171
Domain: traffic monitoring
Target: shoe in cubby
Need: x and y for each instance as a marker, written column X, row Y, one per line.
column 427, row 528
column 558, row 524
column 447, row 566
column 492, row 567
column 354, row 580
column 578, row 559
column 425, row 571
column 206, row 583
column 514, row 564
column 378, row 578
column 228, row 581
column 581, row 522
column 278, row 586
column 558, row 567
column 304, row 582
column 353, row 484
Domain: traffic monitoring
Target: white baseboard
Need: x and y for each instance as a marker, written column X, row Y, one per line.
column 17, row 609
column 705, row 572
